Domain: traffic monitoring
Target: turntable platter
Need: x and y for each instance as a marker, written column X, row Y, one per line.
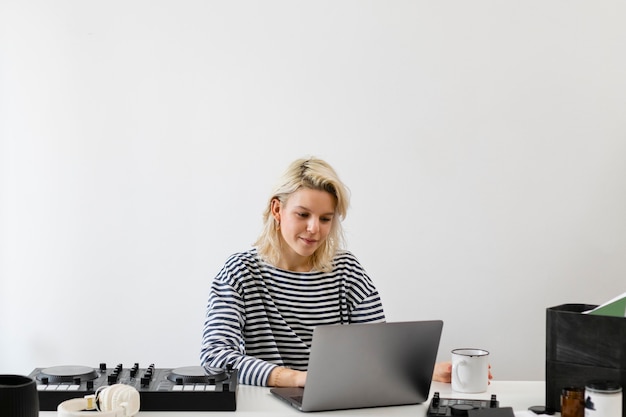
column 196, row 375
column 67, row 373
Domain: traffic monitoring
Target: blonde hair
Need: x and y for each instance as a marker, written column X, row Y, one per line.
column 314, row 174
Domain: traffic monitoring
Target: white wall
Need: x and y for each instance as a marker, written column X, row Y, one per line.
column 484, row 143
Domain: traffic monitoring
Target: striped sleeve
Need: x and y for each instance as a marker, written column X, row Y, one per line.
column 222, row 340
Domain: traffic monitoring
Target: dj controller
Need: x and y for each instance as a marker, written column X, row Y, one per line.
column 188, row 388
column 441, row 407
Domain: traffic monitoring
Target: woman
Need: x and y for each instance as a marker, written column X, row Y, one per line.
column 265, row 302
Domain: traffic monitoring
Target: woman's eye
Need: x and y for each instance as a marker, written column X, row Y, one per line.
column 326, row 219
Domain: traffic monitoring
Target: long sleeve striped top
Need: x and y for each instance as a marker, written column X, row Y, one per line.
column 259, row 317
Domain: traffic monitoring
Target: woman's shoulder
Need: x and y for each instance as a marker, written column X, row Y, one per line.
column 239, row 269
column 242, row 260
column 247, row 256
column 344, row 252
column 344, row 259
column 345, row 255
column 347, row 265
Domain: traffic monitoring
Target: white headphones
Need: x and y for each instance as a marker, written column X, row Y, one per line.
column 117, row 400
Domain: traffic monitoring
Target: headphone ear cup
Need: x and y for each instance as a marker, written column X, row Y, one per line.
column 130, row 396
column 104, row 398
column 73, row 407
column 112, row 398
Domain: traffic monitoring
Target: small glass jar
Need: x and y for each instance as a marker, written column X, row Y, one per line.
column 603, row 399
column 573, row 402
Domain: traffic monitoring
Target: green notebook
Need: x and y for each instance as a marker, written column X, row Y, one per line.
column 615, row 307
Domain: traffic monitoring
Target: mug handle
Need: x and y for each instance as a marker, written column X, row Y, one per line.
column 456, row 372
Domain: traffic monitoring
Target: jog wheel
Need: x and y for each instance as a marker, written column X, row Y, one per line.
column 460, row 409
column 58, row 374
column 196, row 375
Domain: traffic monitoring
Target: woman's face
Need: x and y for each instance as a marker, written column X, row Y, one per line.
column 305, row 222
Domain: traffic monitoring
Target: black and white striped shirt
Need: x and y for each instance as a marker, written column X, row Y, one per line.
column 259, row 316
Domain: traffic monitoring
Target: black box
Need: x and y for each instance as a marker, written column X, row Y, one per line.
column 583, row 347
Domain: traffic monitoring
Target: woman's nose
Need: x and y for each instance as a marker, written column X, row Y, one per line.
column 312, row 226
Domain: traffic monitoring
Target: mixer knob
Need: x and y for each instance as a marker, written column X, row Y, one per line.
column 77, row 380
column 145, row 381
column 436, row 399
column 103, row 366
column 45, row 380
column 112, row 379
column 179, row 381
column 89, row 385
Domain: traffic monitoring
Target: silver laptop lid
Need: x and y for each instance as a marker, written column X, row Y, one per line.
column 371, row 365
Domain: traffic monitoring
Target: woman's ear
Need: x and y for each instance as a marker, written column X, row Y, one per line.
column 275, row 209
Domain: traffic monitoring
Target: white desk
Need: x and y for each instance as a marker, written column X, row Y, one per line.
column 258, row 402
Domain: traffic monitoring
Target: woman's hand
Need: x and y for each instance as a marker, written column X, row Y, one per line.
column 285, row 377
column 443, row 372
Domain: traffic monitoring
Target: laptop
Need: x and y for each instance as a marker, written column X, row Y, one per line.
column 367, row 365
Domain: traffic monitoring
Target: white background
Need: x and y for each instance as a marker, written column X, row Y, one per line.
column 484, row 143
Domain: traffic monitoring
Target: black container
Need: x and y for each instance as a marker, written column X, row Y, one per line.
column 18, row 396
column 582, row 347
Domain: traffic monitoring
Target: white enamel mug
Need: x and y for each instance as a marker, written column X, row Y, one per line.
column 470, row 370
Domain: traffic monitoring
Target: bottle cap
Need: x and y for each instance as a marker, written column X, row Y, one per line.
column 608, row 387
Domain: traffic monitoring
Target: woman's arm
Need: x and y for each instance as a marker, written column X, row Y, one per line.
column 223, row 340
